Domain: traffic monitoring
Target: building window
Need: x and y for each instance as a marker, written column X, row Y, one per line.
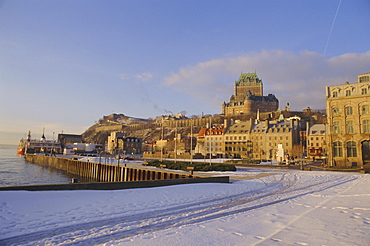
column 335, row 111
column 348, row 93
column 350, row 129
column 336, row 127
column 337, row 149
column 366, row 126
column 364, row 79
column 364, row 91
column 351, row 149
column 335, row 94
column 365, row 109
column 349, row 110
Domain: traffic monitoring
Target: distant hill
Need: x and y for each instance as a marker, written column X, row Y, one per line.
column 145, row 129
column 99, row 132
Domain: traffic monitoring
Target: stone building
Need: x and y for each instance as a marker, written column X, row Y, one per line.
column 259, row 140
column 316, row 141
column 118, row 143
column 238, row 142
column 248, row 97
column 348, row 113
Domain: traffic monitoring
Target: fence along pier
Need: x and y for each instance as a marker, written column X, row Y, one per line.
column 102, row 172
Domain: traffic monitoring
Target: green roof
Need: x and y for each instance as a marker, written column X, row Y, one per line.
column 248, row 77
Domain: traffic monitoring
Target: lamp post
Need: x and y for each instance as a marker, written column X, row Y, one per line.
column 191, row 142
column 100, row 153
column 175, row 149
column 162, row 141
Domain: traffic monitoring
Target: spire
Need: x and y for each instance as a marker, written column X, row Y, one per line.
column 258, row 117
column 43, row 138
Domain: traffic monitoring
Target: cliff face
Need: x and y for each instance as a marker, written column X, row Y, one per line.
column 99, row 132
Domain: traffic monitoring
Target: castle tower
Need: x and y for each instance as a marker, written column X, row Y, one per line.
column 248, row 97
column 247, row 82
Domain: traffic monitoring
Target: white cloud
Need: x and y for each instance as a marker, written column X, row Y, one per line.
column 144, row 76
column 141, row 76
column 123, row 76
column 297, row 78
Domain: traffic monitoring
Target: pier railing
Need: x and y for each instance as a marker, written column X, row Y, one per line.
column 102, row 172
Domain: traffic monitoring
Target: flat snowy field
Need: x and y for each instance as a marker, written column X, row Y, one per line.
column 259, row 207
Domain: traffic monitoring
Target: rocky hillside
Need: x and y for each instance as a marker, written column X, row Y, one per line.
column 99, row 132
column 144, row 128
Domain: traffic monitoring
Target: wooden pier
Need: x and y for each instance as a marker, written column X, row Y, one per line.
column 103, row 172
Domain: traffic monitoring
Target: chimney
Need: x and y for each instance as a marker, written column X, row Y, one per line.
column 292, row 123
column 267, row 123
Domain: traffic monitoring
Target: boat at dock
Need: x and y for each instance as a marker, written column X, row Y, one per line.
column 34, row 146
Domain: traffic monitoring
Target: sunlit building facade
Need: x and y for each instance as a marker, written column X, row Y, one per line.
column 348, row 110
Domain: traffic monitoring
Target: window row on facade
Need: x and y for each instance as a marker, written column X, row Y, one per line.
column 349, row 92
column 350, row 128
column 350, row 148
column 348, row 110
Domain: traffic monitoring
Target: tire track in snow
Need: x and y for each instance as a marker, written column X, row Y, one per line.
column 270, row 237
column 102, row 231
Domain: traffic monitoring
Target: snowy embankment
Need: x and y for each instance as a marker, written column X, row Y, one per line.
column 278, row 208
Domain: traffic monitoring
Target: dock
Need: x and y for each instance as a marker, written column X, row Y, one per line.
column 101, row 172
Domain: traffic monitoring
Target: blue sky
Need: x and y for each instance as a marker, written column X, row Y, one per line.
column 64, row 64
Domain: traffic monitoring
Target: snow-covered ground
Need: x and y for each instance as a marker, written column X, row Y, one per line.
column 260, row 207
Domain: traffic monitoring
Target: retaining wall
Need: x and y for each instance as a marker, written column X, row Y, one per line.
column 102, row 172
column 116, row 185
